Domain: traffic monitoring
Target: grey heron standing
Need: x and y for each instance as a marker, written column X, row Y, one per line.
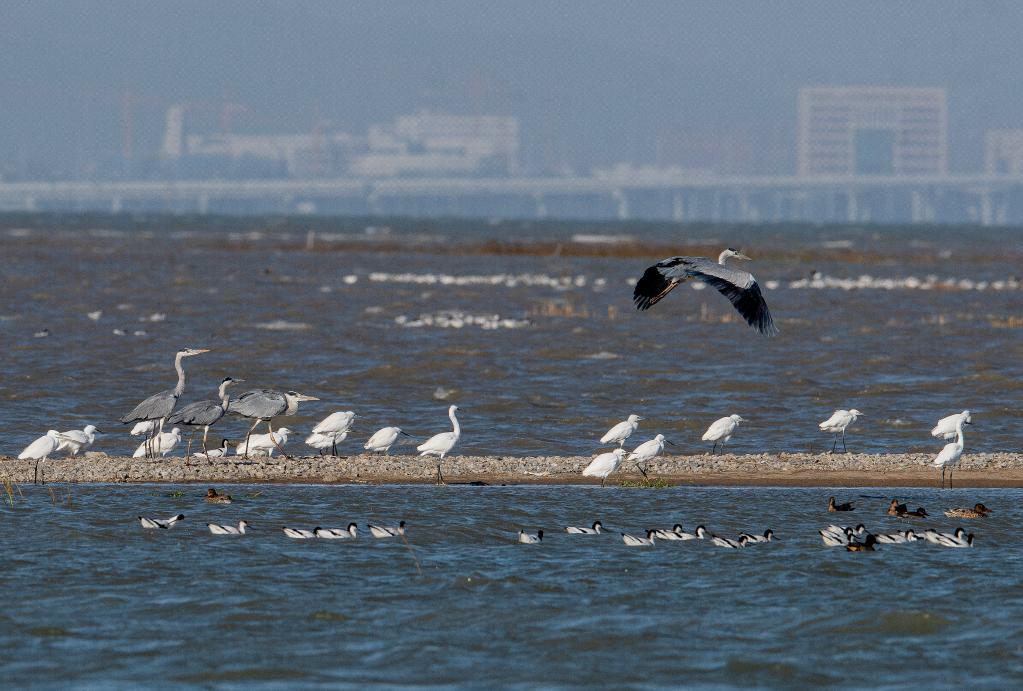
column 739, row 286
column 160, row 405
column 204, row 413
column 263, row 405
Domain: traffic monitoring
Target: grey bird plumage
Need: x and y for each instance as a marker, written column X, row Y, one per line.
column 160, row 405
column 740, row 287
column 264, row 405
column 204, row 413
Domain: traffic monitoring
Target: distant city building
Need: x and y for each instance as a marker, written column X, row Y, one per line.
column 1003, row 152
column 439, row 144
column 869, row 130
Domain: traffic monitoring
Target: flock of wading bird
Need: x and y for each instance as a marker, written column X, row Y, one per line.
column 264, row 405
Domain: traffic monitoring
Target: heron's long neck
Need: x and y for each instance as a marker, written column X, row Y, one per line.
column 224, row 398
column 181, row 375
column 454, row 424
column 722, row 257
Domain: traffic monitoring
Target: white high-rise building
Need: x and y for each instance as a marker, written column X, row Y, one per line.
column 1003, row 152
column 872, row 130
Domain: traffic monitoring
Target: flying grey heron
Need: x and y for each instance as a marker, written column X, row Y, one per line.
column 737, row 285
column 204, row 413
column 263, row 405
column 160, row 405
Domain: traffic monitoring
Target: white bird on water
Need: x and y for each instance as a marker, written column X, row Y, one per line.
column 383, row 439
column 950, row 455
column 78, row 440
column 42, row 447
column 299, row 533
column 221, row 529
column 946, row 427
column 387, row 530
column 622, row 431
column 604, row 464
column 162, row 523
column 633, row 541
column 722, row 430
column 441, row 444
column 336, row 426
column 647, row 451
column 595, row 530
column 837, row 423
column 162, row 444
column 349, row 533
column 527, row 539
column 264, row 443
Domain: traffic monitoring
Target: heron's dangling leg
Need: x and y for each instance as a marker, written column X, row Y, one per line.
column 715, row 449
column 835, row 445
column 333, row 444
column 844, row 449
column 249, row 434
column 440, row 478
column 274, row 440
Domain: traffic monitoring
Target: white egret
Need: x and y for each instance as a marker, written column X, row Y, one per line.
column 264, row 443
column 222, row 529
column 387, row 531
column 527, row 539
column 622, row 431
column 739, row 286
column 950, row 455
column 41, row 448
column 837, row 423
column 646, row 451
column 144, row 428
column 349, row 533
column 946, row 427
column 604, row 464
column 162, row 444
column 78, row 440
column 722, row 430
column 441, row 444
column 161, row 523
column 336, row 426
column 383, row 439
column 322, row 442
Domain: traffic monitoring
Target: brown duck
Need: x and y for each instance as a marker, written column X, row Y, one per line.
column 978, row 511
column 213, row 497
column 832, row 506
column 866, row 546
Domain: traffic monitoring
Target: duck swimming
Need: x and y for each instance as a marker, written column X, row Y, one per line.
column 866, row 546
column 213, row 497
column 978, row 511
column 832, row 506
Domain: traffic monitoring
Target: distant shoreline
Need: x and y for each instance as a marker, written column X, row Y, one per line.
column 767, row 470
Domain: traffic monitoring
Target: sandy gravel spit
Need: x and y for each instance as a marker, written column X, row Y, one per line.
column 796, row 470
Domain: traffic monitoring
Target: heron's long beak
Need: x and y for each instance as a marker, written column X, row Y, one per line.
column 740, row 255
column 197, row 351
column 303, row 397
column 237, row 381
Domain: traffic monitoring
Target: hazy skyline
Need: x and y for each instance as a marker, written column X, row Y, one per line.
column 594, row 83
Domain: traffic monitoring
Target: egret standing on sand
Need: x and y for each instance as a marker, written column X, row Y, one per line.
column 162, row 444
column 605, row 464
column 950, row 455
column 264, row 405
column 264, row 443
column 41, row 448
column 622, row 431
column 158, row 406
column 837, row 423
column 440, row 444
column 204, row 413
column 78, row 440
column 722, row 430
column 946, row 427
column 383, row 439
column 737, row 285
column 335, row 426
column 646, row 451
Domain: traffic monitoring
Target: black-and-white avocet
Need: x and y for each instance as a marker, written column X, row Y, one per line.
column 221, row 529
column 299, row 533
column 527, row 539
column 349, row 533
column 160, row 523
column 595, row 530
column 633, row 541
column 387, row 530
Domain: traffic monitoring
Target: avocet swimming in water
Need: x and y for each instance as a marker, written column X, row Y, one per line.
column 527, row 539
column 349, row 533
column 222, row 529
column 751, row 539
column 728, row 542
column 740, row 287
column 160, row 523
column 633, row 541
column 387, row 531
column 622, row 431
column 595, row 530
column 299, row 533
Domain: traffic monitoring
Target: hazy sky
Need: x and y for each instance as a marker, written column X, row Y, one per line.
column 595, row 81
